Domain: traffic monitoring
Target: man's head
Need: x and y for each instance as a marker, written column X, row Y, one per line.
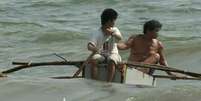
column 152, row 28
column 108, row 17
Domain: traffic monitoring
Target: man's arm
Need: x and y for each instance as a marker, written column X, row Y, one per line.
column 162, row 60
column 126, row 45
column 113, row 32
column 92, row 47
column 122, row 46
column 92, row 44
column 117, row 35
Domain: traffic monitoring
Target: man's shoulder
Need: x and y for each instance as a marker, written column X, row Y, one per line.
column 115, row 29
column 159, row 43
column 135, row 36
column 97, row 32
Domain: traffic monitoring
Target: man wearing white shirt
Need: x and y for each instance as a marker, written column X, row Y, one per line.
column 104, row 44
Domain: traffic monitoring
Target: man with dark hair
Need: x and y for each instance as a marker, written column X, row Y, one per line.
column 104, row 44
column 151, row 25
column 146, row 48
column 108, row 15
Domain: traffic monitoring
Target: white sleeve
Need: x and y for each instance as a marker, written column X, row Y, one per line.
column 117, row 32
column 93, row 40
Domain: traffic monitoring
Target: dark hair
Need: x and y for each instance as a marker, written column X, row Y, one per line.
column 151, row 25
column 108, row 14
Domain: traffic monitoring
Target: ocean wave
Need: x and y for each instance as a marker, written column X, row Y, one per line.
column 180, row 38
column 185, row 9
column 49, row 3
column 171, row 93
column 44, row 89
column 58, row 36
column 9, row 23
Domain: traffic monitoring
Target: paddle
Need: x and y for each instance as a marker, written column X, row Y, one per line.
column 162, row 68
column 84, row 64
column 90, row 56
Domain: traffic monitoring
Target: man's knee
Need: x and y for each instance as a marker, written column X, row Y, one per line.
column 156, row 56
column 111, row 62
column 114, row 61
column 93, row 61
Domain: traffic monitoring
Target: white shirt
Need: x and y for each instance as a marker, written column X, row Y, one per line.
column 106, row 44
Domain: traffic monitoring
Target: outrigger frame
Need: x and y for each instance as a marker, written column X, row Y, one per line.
column 25, row 65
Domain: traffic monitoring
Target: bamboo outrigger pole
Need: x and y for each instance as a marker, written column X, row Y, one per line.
column 81, row 65
column 175, row 78
column 163, row 68
column 24, row 65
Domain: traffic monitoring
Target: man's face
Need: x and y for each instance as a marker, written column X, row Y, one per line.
column 111, row 23
column 154, row 34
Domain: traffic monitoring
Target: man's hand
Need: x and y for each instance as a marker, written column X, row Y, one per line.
column 108, row 31
column 92, row 47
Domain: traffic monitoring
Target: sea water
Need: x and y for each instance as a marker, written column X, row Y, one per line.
column 34, row 30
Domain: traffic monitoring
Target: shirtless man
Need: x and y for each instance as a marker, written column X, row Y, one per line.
column 146, row 47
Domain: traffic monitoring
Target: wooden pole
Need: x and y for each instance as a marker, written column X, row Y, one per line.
column 176, row 78
column 66, row 77
column 84, row 64
column 24, row 65
column 162, row 68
